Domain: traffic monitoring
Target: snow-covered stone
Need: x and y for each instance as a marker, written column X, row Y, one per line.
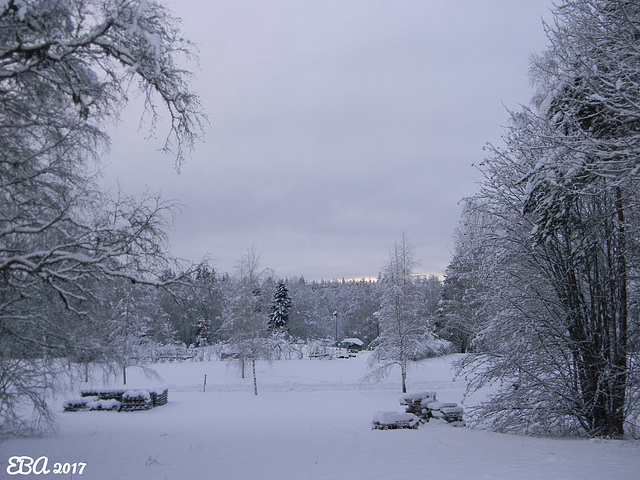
column 411, row 398
column 384, row 420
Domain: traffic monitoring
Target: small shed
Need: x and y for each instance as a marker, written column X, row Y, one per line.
column 352, row 344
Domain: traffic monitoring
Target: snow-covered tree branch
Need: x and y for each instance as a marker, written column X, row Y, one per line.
column 66, row 68
column 562, row 199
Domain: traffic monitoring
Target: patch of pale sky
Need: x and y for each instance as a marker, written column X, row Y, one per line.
column 335, row 127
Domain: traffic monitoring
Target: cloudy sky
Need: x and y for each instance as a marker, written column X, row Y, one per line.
column 336, row 125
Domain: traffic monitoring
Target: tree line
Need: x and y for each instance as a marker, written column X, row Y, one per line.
column 325, row 309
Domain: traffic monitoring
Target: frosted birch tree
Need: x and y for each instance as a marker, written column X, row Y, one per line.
column 406, row 332
column 245, row 315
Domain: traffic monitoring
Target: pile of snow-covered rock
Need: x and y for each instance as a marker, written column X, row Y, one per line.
column 420, row 406
column 392, row 420
column 426, row 406
column 118, row 399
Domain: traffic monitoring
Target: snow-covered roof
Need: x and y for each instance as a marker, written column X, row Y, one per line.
column 353, row 341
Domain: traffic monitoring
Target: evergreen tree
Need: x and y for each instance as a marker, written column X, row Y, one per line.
column 280, row 308
column 203, row 332
column 463, row 306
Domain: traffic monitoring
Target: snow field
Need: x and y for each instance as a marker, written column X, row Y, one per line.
column 311, row 420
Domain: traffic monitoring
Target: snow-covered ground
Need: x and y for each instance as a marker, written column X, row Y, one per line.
column 311, row 420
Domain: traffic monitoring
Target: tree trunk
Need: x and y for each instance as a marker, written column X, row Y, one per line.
column 619, row 349
column 599, row 329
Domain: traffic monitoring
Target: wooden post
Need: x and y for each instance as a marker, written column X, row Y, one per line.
column 204, row 387
column 255, row 380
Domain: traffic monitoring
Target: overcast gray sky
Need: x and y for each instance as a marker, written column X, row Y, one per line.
column 336, row 125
